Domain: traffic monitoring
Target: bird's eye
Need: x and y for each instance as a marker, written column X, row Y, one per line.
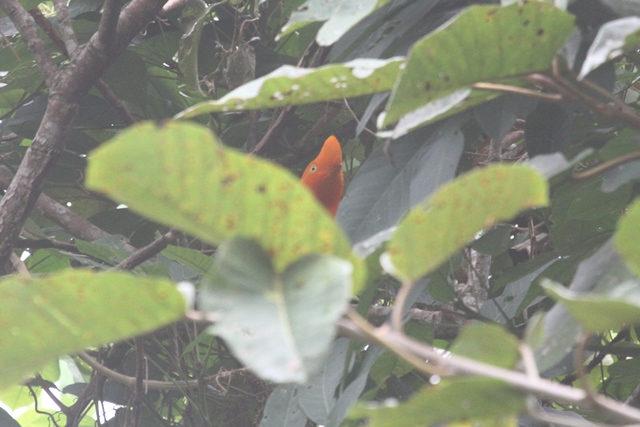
column 313, row 168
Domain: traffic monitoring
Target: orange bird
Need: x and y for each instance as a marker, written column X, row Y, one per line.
column 324, row 175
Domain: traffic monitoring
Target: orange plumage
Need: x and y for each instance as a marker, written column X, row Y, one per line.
column 324, row 175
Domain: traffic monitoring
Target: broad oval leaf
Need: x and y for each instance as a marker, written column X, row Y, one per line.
column 190, row 181
column 282, row 408
column 45, row 317
column 436, row 229
column 597, row 312
column 487, row 344
column 290, row 85
column 278, row 324
column 470, row 398
column 628, row 235
column 483, row 43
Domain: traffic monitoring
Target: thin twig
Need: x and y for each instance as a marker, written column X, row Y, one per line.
column 40, row 382
column 603, row 167
column 355, row 117
column 398, row 306
column 153, row 384
column 549, row 97
column 144, row 254
column 272, row 129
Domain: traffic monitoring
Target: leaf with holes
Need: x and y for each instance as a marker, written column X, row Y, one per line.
column 433, row 231
column 290, row 85
column 483, row 43
column 46, row 317
column 190, row 181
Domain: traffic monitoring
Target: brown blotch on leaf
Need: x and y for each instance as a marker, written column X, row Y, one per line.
column 227, row 180
column 230, row 223
column 540, row 32
column 261, row 188
column 427, row 86
column 526, row 22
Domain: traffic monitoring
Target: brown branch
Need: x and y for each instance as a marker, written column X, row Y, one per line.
column 60, row 214
column 452, row 364
column 275, row 125
column 115, row 102
column 603, row 167
column 101, row 85
column 108, row 24
column 67, row 87
column 153, row 384
column 621, row 112
column 147, row 252
column 68, row 35
column 549, row 97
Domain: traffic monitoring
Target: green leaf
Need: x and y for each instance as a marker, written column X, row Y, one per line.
column 45, row 317
column 628, row 235
column 614, row 38
column 340, row 15
column 453, row 400
column 487, row 344
column 280, row 325
column 195, row 260
column 190, row 181
column 290, row 85
column 598, row 312
column 483, row 43
column 436, row 229
column 282, row 408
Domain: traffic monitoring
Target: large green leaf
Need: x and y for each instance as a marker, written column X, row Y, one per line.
column 279, row 324
column 488, row 344
column 195, row 260
column 340, row 15
column 436, row 229
column 178, row 174
column 45, row 317
column 461, row 399
column 295, row 86
column 628, row 235
column 483, row 43
column 598, row 312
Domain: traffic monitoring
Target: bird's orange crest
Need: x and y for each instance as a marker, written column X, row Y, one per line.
column 324, row 175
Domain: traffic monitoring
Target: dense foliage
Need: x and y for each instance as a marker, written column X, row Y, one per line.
column 163, row 266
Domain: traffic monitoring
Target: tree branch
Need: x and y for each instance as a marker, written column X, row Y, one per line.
column 108, row 24
column 68, row 36
column 101, row 85
column 451, row 364
column 66, row 89
column 152, row 384
column 147, row 252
